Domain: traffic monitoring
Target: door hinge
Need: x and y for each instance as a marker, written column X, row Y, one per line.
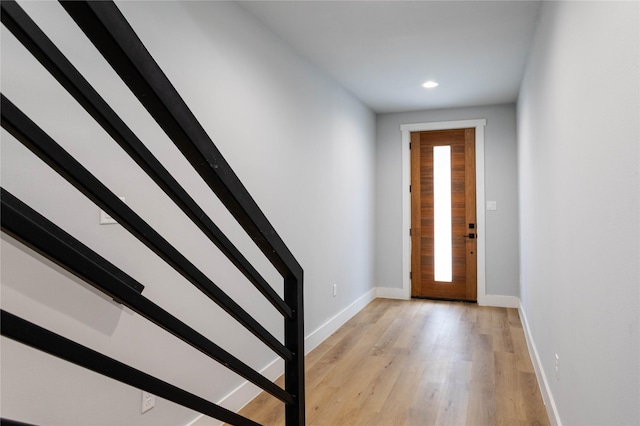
column 409, row 188
column 409, row 145
column 410, row 275
column 409, row 231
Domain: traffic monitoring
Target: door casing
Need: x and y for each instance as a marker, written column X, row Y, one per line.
column 406, row 129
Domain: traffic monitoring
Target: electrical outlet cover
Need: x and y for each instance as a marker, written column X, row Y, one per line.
column 148, row 401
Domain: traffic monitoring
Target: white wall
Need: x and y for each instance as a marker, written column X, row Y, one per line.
column 500, row 185
column 302, row 146
column 578, row 158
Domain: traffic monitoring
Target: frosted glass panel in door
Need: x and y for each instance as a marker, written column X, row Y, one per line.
column 442, row 213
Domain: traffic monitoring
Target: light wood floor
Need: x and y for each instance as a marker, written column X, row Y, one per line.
column 419, row 362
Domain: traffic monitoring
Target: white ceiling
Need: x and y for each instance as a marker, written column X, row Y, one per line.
column 382, row 51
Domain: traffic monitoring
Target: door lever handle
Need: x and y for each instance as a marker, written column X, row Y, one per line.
column 470, row 236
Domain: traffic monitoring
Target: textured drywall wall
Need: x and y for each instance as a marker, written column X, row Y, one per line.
column 578, row 148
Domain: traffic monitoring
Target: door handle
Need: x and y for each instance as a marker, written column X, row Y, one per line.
column 470, row 236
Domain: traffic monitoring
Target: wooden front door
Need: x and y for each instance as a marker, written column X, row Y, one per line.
column 443, row 214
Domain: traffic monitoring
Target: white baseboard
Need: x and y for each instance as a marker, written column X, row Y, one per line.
column 498, row 301
column 318, row 336
column 246, row 392
column 391, row 293
column 545, row 390
column 483, row 300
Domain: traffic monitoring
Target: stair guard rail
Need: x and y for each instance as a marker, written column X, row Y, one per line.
column 111, row 34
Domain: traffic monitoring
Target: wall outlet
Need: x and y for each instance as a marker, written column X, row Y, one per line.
column 335, row 290
column 105, row 219
column 148, row 401
column 557, row 367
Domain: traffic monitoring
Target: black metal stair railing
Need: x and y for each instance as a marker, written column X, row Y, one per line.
column 112, row 35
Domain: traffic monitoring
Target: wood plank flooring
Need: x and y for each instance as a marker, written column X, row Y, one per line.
column 418, row 362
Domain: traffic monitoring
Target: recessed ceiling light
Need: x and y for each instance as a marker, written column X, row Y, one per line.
column 430, row 84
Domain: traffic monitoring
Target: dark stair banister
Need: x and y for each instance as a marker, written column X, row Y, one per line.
column 103, row 23
column 43, row 49
column 35, row 231
column 37, row 337
column 112, row 35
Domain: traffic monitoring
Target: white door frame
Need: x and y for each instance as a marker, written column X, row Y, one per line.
column 406, row 130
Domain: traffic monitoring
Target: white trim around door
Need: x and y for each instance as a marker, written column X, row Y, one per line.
column 406, row 130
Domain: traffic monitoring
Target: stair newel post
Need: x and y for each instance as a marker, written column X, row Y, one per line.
column 294, row 341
